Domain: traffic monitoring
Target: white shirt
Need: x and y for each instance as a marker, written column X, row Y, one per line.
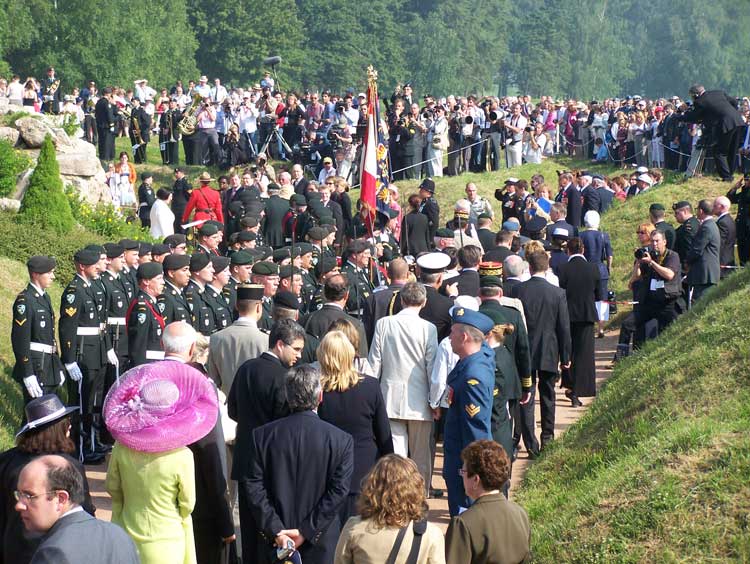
column 162, row 220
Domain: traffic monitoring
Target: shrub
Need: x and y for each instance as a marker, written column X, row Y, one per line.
column 70, row 125
column 44, row 203
column 12, row 163
column 104, row 219
column 9, row 120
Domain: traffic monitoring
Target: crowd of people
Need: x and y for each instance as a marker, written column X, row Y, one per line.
column 249, row 396
column 231, row 126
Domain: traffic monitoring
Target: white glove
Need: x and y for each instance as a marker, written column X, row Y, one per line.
column 32, row 386
column 62, row 377
column 74, row 371
column 112, row 357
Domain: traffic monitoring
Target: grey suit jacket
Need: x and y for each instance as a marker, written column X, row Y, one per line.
column 79, row 537
column 229, row 348
column 703, row 256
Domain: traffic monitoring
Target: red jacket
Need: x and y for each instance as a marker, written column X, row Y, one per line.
column 207, row 205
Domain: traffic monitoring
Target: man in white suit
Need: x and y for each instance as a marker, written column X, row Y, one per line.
column 402, row 354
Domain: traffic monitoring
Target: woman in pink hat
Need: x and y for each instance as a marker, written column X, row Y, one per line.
column 155, row 411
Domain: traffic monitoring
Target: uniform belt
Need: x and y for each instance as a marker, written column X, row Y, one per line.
column 116, row 321
column 42, row 348
column 88, row 331
column 154, row 355
column 356, row 312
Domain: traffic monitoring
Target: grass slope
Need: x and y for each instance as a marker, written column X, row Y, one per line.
column 658, row 469
column 13, row 278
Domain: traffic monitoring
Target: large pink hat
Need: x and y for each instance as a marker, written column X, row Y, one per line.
column 160, row 407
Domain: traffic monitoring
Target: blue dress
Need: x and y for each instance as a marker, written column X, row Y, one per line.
column 597, row 249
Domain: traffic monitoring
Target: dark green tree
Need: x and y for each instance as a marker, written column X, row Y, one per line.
column 44, row 204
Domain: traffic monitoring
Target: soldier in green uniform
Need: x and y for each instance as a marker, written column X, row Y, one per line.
column 132, row 249
column 38, row 367
column 357, row 271
column 118, row 297
column 201, row 273
column 656, row 214
column 145, row 324
column 240, row 270
column 84, row 349
column 214, row 294
column 302, row 258
column 172, row 304
column 326, row 268
column 316, row 235
column 267, row 274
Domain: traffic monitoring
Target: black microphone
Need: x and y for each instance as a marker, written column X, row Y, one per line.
column 272, row 61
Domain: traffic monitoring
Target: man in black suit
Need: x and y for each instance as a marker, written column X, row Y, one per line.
column 558, row 214
column 298, row 479
column 415, row 230
column 656, row 215
column 718, row 113
column 181, row 191
column 50, row 491
column 570, row 197
column 580, row 278
column 501, row 249
column 548, row 322
column 484, row 232
column 429, row 206
column 105, row 114
column 380, row 303
column 469, row 258
column 276, row 208
column 703, row 257
column 513, row 268
column 336, row 293
column 591, row 197
column 257, row 397
column 299, row 181
column 606, row 196
column 727, row 232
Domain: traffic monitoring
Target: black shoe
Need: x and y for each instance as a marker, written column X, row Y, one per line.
column 436, row 493
column 575, row 402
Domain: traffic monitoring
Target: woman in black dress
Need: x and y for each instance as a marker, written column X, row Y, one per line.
column 353, row 403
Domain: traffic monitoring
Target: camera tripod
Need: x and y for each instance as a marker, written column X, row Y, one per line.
column 275, row 134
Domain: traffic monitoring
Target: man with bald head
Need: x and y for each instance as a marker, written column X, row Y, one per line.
column 728, row 233
column 49, row 497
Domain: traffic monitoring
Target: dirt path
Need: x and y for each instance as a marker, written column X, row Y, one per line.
column 564, row 417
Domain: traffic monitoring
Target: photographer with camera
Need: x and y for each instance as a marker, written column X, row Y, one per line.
column 740, row 195
column 400, row 133
column 535, row 140
column 660, row 274
column 266, row 105
column 515, row 127
column 208, row 137
column 437, row 142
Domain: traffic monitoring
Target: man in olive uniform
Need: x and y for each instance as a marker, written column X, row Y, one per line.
column 208, row 239
column 119, row 295
column 470, row 397
column 303, row 259
column 172, row 304
column 689, row 224
column 201, row 273
column 140, row 131
column 51, row 93
column 84, row 348
column 357, row 271
column 214, row 294
column 316, row 235
column 267, row 274
column 146, row 199
column 145, row 324
column 240, row 270
column 38, row 366
column 132, row 258
column 656, row 214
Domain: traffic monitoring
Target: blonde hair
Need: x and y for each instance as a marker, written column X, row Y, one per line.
column 533, row 247
column 393, row 493
column 336, row 358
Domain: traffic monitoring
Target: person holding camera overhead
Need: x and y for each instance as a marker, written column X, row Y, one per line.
column 515, row 126
column 536, row 141
column 208, row 138
column 660, row 272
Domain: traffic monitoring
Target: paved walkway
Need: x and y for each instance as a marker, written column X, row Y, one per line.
column 565, row 416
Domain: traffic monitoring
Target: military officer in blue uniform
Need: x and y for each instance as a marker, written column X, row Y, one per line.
column 470, row 397
column 38, row 366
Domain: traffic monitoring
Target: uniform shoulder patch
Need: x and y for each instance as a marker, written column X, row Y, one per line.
column 21, row 309
column 472, row 381
column 141, row 318
column 70, row 311
column 472, row 410
column 70, row 297
column 495, row 392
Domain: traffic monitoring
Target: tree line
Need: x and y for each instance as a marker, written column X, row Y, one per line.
column 568, row 48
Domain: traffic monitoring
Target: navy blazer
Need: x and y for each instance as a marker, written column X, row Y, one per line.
column 300, row 471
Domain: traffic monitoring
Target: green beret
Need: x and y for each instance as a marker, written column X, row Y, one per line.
column 244, row 236
column 264, row 268
column 286, row 300
column 656, row 207
column 159, row 250
column 113, row 250
column 149, row 270
column 96, row 248
column 490, row 282
column 129, row 244
column 302, row 248
column 281, row 254
column 86, row 257
column 317, row 233
column 299, row 200
column 241, row 257
column 219, row 262
column 199, row 261
column 358, row 246
column 287, row 270
column 208, row 229
column 41, row 264
column 445, row 233
column 175, row 262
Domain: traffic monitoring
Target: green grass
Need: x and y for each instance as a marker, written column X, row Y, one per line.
column 13, row 278
column 658, row 469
